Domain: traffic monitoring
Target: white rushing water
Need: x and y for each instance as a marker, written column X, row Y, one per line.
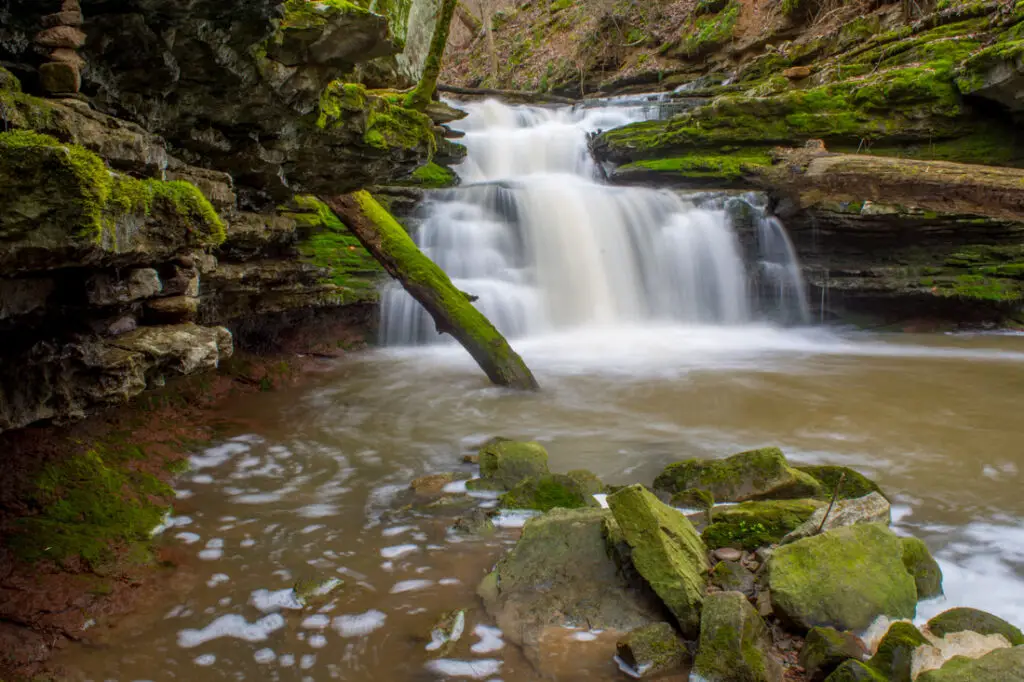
column 546, row 246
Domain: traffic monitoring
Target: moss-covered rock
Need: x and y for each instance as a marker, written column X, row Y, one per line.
column 922, row 565
column 695, row 170
column 751, row 475
column 666, row 551
column 750, row 525
column 844, row 579
column 504, row 463
column 447, row 631
column 731, row 576
column 872, row 508
column 431, row 176
column 315, row 592
column 825, row 649
column 653, row 650
column 734, row 643
column 548, row 491
column 973, row 620
column 895, row 654
column 475, row 522
column 855, row 484
column 1005, row 665
column 855, row 671
column 570, row 553
column 693, row 498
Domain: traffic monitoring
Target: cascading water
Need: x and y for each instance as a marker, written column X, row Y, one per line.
column 545, row 246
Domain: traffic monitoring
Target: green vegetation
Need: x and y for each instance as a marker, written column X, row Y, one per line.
column 709, row 32
column 383, row 125
column 546, row 492
column 755, row 524
column 421, row 95
column 896, row 652
column 713, row 167
column 973, row 620
column 327, row 243
column 431, row 176
column 306, row 14
column 855, row 484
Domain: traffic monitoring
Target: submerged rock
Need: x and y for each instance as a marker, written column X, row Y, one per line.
column 666, row 551
column 652, row 650
column 825, row 649
column 1004, row 665
column 433, row 484
column 447, row 631
column 734, row 642
column 872, row 508
column 475, row 522
column 920, row 563
column 895, row 655
column 313, row 593
column 751, row 475
column 504, row 463
column 962, row 618
column 750, row 525
column 845, row 578
column 562, row 573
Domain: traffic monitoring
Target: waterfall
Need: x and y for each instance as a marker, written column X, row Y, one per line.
column 545, row 246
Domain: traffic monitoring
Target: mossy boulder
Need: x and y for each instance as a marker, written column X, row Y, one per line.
column 825, row 649
column 475, row 522
column 872, row 508
column 731, row 576
column 973, row 620
column 750, row 525
column 751, row 475
column 504, row 463
column 1004, row 665
column 447, row 631
column 922, row 565
column 855, row 484
column 895, row 655
column 666, row 551
column 587, row 481
column 844, row 579
column 734, row 642
column 855, row 671
column 548, row 491
column 653, row 649
column 315, row 592
column 564, row 571
column 693, row 498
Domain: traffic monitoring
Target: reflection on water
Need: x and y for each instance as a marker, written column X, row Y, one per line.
column 318, row 489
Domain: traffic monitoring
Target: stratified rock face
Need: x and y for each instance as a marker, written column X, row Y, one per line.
column 965, row 619
column 752, row 475
column 844, row 579
column 996, row 73
column 561, row 573
column 666, row 551
column 734, row 642
column 1005, row 665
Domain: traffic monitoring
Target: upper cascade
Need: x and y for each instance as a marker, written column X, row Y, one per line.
column 545, row 245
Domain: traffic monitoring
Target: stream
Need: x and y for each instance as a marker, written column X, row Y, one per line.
column 640, row 366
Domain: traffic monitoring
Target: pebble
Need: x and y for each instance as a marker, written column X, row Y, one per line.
column 727, row 554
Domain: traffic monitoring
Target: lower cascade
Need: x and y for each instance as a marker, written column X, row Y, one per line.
column 545, row 245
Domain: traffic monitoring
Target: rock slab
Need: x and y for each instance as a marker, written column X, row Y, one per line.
column 734, row 643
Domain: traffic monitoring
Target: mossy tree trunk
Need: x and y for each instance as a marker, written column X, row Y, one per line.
column 421, row 95
column 468, row 19
column 451, row 309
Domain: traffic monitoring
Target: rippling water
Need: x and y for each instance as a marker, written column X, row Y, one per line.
column 316, row 488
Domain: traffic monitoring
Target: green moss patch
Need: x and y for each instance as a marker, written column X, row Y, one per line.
column 431, row 176
column 383, row 125
column 708, row 32
column 755, row 524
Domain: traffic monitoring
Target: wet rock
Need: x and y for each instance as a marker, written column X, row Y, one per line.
column 751, row 475
column 734, row 643
column 432, row 484
column 922, row 565
column 855, row 671
column 666, row 551
column 23, row 296
column 652, row 650
column 475, row 522
column 825, row 649
column 845, row 579
column 693, row 498
column 504, row 463
column 180, row 280
column 872, row 508
column 447, row 631
column 730, row 576
column 894, row 658
column 1004, row 665
column 750, row 525
column 562, row 573
column 855, row 484
column 173, row 309
column 962, row 618
column 546, row 492
column 312, row 594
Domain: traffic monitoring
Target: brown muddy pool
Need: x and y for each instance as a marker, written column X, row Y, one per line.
column 316, row 487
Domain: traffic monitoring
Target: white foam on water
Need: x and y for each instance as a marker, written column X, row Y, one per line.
column 188, row 538
column 513, row 518
column 397, row 551
column 264, row 656
column 476, row 670
column 395, row 530
column 317, row 621
column 490, row 640
column 359, row 624
column 602, row 500
column 455, row 487
column 269, row 601
column 205, row 660
column 217, row 455
column 232, row 626
column 317, row 641
column 217, row 579
column 410, row 586
column 214, row 550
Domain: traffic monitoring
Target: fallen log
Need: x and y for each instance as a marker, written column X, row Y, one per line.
column 512, row 95
column 451, row 309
